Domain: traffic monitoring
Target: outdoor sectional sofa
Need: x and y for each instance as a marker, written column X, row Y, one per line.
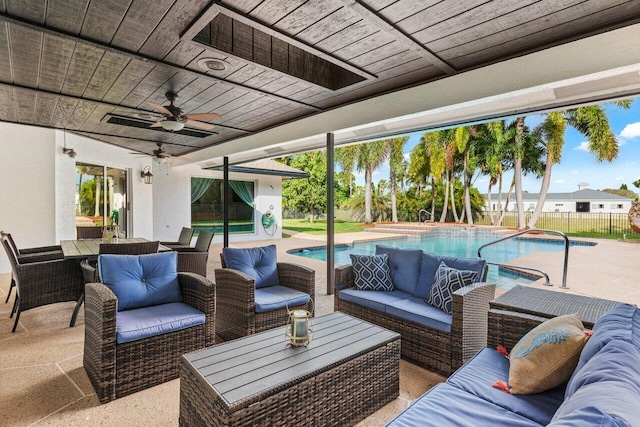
column 604, row 389
column 431, row 338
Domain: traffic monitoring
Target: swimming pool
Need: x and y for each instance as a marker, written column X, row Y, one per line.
column 455, row 242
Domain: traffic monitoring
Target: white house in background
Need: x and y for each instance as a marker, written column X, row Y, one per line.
column 39, row 185
column 583, row 200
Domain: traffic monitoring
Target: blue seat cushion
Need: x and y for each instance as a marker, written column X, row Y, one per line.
column 258, row 263
column 404, row 265
column 373, row 299
column 447, row 406
column 431, row 262
column 487, row 366
column 416, row 310
column 277, row 297
column 141, row 280
column 139, row 323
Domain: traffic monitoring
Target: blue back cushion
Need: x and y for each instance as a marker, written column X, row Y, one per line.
column 141, row 280
column 258, row 263
column 431, row 262
column 404, row 265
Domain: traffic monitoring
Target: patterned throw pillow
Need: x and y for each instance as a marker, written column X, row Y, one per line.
column 547, row 355
column 372, row 272
column 448, row 280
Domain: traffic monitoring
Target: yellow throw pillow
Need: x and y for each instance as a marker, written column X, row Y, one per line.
column 547, row 356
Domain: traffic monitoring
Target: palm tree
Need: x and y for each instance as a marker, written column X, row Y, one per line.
column 592, row 122
column 366, row 158
column 396, row 163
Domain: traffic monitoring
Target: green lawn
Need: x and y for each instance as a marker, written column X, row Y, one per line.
column 320, row 226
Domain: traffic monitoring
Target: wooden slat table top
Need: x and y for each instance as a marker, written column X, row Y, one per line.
column 257, row 366
column 90, row 248
column 544, row 303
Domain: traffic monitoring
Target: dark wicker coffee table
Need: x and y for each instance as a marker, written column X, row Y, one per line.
column 350, row 370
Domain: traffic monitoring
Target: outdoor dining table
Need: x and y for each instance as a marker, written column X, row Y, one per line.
column 90, row 248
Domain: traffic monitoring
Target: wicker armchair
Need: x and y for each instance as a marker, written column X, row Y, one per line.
column 184, row 240
column 116, row 370
column 236, row 314
column 90, row 270
column 27, row 255
column 43, row 282
column 438, row 351
column 194, row 259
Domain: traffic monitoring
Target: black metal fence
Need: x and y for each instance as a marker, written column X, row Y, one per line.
column 572, row 222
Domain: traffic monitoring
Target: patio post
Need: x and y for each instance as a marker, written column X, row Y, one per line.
column 330, row 215
column 225, row 204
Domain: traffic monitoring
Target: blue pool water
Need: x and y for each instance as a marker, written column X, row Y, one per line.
column 454, row 242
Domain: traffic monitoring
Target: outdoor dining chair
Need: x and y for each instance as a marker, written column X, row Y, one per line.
column 43, row 282
column 88, row 232
column 184, row 240
column 27, row 255
column 194, row 259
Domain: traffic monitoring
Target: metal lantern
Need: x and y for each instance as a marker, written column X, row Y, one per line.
column 299, row 332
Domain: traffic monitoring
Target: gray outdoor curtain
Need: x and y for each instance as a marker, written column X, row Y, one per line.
column 244, row 190
column 198, row 187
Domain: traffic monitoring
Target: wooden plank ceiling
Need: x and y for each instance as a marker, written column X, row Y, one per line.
column 69, row 64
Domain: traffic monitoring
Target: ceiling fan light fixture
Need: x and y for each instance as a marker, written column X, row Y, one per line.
column 212, row 64
column 172, row 125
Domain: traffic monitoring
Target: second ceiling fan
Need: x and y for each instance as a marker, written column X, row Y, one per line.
column 175, row 119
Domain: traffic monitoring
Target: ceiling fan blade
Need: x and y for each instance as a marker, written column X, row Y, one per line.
column 203, row 116
column 157, row 124
column 169, row 161
column 160, row 109
column 184, row 159
column 199, row 125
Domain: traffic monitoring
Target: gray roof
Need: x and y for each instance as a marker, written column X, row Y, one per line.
column 580, row 195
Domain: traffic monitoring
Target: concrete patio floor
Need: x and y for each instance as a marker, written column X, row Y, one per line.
column 43, row 381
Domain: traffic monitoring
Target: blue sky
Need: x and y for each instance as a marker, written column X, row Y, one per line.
column 577, row 164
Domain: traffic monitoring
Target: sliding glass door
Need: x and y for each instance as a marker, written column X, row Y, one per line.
column 207, row 201
column 101, row 197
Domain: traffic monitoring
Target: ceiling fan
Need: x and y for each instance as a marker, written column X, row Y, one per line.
column 161, row 156
column 175, row 119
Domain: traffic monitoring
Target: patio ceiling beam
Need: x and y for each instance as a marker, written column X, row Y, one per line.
column 384, row 25
column 149, row 59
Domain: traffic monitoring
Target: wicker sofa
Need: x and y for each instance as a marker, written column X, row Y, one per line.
column 604, row 389
column 431, row 338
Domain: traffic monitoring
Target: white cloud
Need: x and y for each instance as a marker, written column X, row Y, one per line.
column 560, row 181
column 630, row 131
column 619, row 178
column 576, row 172
column 407, row 156
column 583, row 146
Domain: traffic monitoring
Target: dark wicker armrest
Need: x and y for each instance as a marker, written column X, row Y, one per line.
column 200, row 292
column 100, row 339
column 343, row 279
column 53, row 248
column 53, row 281
column 469, row 321
column 186, row 249
column 507, row 327
column 235, row 303
column 298, row 277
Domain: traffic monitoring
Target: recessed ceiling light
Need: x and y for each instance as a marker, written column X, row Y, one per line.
column 212, row 64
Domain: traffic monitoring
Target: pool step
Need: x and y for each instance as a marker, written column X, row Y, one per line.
column 407, row 229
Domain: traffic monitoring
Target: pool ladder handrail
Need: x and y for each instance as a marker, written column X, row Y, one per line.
column 531, row 230
column 420, row 212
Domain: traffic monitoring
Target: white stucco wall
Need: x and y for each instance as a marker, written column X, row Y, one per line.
column 172, row 201
column 37, row 191
column 609, row 206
